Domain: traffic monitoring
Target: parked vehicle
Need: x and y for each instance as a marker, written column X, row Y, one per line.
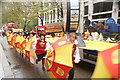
column 109, row 29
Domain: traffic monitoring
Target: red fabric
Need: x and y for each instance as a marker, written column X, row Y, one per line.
column 40, row 47
column 22, row 44
column 74, row 48
column 107, row 57
column 13, row 40
column 28, row 55
column 23, row 47
column 9, row 42
column 17, row 45
column 55, row 67
column 57, row 45
column 28, row 38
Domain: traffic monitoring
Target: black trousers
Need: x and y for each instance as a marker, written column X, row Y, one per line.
column 71, row 74
column 39, row 57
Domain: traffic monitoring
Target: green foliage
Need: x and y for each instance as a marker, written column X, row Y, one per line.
column 25, row 14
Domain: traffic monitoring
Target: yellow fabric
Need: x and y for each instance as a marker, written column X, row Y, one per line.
column 100, row 70
column 9, row 37
column 18, row 50
column 17, row 39
column 34, row 38
column 63, row 55
column 115, row 56
column 21, row 39
column 27, row 47
column 50, row 56
column 52, row 39
column 98, row 45
column 32, row 55
column 52, row 77
column 28, row 44
column 24, row 52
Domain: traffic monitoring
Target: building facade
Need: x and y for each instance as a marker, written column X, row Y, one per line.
column 95, row 10
column 98, row 11
column 53, row 12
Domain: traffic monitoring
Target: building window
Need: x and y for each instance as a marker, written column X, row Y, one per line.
column 53, row 16
column 102, row 16
column 118, row 22
column 85, row 10
column 102, row 7
column 58, row 17
column 85, row 18
column 47, row 17
column 119, row 5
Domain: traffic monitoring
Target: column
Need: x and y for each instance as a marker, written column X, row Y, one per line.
column 90, row 9
column 115, row 10
column 80, row 27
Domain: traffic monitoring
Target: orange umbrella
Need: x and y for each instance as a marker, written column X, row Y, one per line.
column 59, row 59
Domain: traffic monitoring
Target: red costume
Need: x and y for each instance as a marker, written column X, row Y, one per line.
column 40, row 47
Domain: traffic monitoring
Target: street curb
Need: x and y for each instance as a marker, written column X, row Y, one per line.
column 6, row 67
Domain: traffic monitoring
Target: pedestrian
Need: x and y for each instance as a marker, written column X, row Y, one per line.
column 76, row 56
column 41, row 46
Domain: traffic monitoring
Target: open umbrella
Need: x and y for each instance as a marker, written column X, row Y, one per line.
column 108, row 64
column 59, row 59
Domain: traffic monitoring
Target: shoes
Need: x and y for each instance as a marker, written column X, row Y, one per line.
column 43, row 68
column 22, row 55
column 36, row 61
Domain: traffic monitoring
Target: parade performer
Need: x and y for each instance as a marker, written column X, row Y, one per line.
column 41, row 46
column 28, row 46
column 76, row 56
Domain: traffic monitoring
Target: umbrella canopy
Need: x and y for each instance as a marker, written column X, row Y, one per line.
column 108, row 65
column 59, row 59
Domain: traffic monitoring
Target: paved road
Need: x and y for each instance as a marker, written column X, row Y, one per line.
column 21, row 68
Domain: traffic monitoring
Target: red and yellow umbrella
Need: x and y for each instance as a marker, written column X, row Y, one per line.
column 23, row 44
column 30, row 54
column 109, row 63
column 59, row 59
